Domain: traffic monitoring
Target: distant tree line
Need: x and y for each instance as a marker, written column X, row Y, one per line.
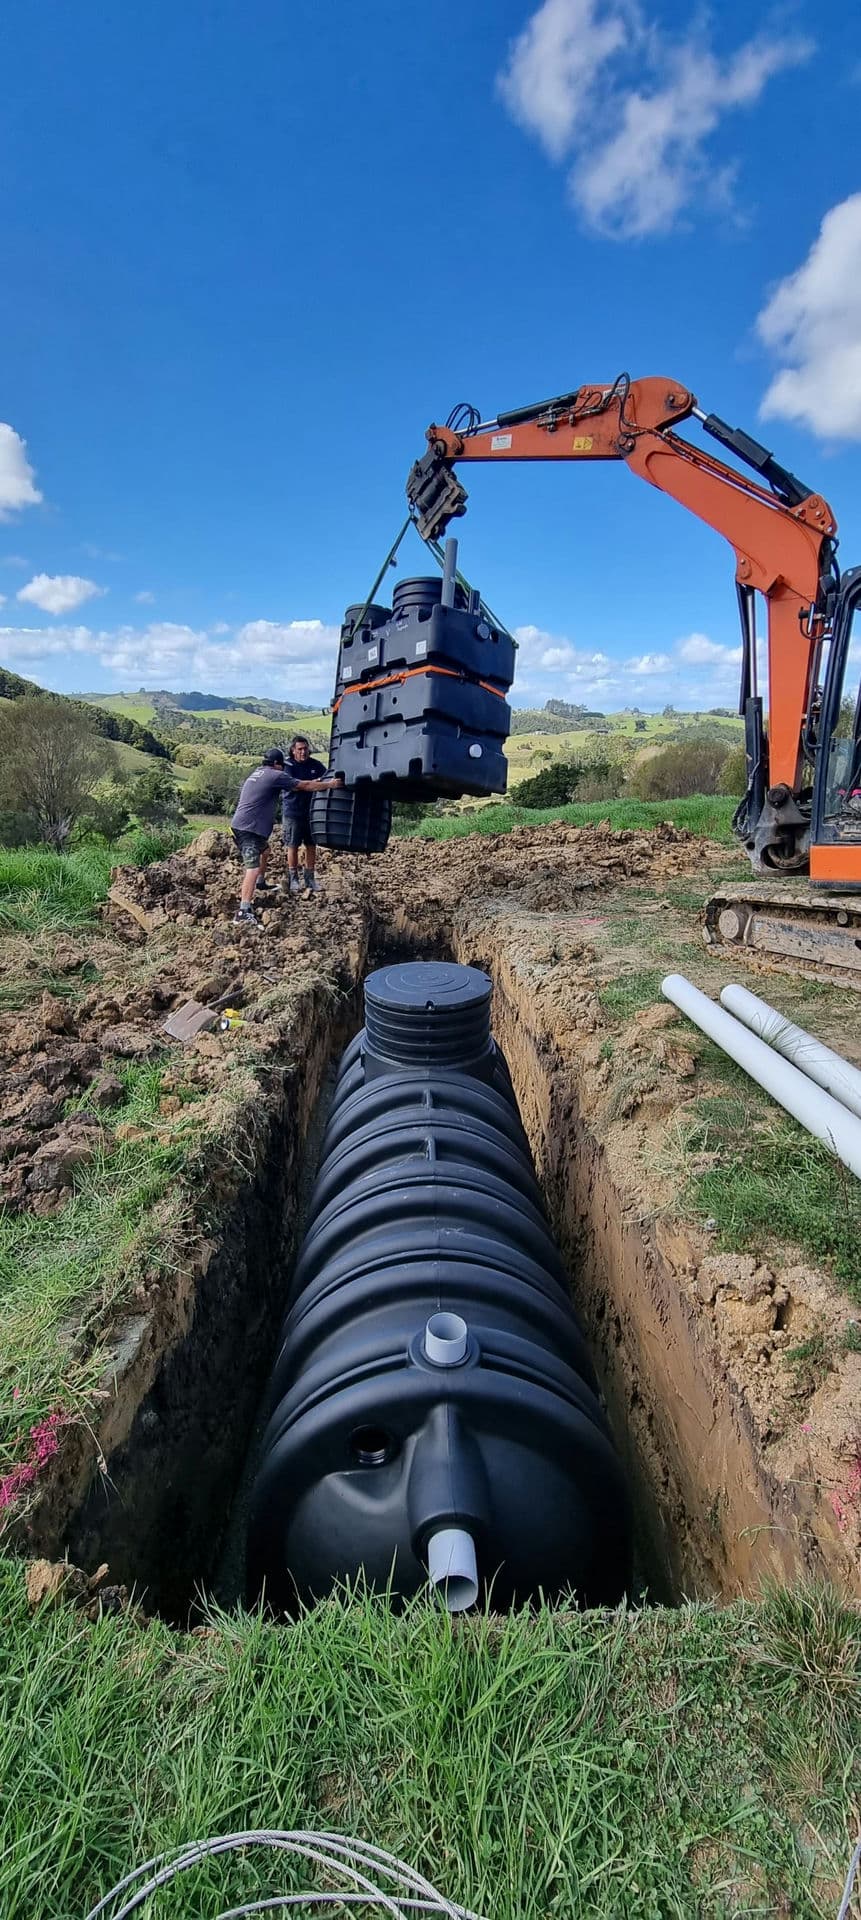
column 228, row 736
column 166, row 702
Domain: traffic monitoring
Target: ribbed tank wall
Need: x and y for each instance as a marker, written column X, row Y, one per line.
column 413, row 596
column 436, row 1413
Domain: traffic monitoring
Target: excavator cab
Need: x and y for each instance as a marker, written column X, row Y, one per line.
column 799, row 928
column 835, row 826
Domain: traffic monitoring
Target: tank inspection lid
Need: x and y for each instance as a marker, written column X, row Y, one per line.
column 424, row 985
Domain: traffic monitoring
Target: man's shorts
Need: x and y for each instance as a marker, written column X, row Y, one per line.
column 251, row 846
column 298, row 831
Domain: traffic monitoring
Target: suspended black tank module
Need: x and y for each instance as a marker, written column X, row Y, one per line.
column 436, row 1415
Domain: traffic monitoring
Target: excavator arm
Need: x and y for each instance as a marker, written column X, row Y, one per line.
column 782, row 534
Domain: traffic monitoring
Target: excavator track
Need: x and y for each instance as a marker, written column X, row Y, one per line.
column 791, row 929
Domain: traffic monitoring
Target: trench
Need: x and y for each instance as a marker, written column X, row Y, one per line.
column 164, row 1503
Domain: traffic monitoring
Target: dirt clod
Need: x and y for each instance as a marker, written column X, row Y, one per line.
column 106, row 1090
column 55, row 1162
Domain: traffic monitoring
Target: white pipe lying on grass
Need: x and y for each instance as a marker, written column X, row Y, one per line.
column 823, row 1116
column 827, row 1068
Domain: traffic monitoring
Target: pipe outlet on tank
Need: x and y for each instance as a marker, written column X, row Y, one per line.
column 446, row 1340
column 453, row 1568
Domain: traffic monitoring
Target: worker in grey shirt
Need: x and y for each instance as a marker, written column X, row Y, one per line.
column 254, row 819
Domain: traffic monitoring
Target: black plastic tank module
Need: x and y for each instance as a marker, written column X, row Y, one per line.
column 419, row 712
column 436, row 1415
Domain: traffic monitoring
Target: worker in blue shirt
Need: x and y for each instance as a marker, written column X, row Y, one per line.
column 296, row 813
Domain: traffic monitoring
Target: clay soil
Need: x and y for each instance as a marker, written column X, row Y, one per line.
column 744, row 1464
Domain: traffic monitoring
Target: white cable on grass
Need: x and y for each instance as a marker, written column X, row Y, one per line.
column 854, row 1864
column 410, row 1893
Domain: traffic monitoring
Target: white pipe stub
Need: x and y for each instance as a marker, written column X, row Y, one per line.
column 822, row 1115
column 820, row 1063
column 446, row 1339
column 453, row 1568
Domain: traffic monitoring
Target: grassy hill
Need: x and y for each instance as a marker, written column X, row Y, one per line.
column 129, row 706
column 149, row 707
column 537, row 734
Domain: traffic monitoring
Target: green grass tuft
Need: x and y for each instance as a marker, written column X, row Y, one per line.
column 41, row 889
column 45, row 891
column 545, row 1766
column 631, row 992
column 768, row 1182
column 53, row 1315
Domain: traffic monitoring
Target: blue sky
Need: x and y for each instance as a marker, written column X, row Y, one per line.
column 249, row 252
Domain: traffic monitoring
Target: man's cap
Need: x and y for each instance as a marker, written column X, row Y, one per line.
column 274, row 758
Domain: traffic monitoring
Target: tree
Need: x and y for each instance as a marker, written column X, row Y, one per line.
column 554, row 786
column 155, row 800
column 214, row 786
column 106, row 814
column 50, row 761
column 688, row 766
column 733, row 774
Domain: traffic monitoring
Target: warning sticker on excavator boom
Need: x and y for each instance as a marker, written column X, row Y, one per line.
column 499, row 442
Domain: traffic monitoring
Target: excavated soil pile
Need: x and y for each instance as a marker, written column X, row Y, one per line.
column 737, row 1473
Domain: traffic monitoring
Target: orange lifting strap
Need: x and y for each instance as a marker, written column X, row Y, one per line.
column 397, row 680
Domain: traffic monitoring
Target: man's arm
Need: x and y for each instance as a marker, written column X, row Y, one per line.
column 316, row 786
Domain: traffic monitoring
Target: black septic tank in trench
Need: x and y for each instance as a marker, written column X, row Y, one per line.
column 435, row 1409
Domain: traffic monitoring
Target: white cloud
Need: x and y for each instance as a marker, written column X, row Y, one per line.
column 145, row 599
column 59, row 592
column 15, row 560
column 265, row 642
column 813, row 323
column 292, row 658
column 42, row 643
column 639, row 149
column 16, row 474
column 648, row 663
column 555, row 62
column 699, row 651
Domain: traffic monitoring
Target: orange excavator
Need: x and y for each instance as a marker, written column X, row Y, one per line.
column 801, row 812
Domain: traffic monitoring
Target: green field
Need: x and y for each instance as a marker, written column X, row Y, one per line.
column 131, row 706
column 706, row 814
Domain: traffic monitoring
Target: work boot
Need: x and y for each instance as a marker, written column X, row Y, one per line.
column 310, row 880
column 295, row 883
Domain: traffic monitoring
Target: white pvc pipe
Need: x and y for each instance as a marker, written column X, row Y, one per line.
column 816, row 1110
column 827, row 1068
column 446, row 1339
column 453, row 1568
